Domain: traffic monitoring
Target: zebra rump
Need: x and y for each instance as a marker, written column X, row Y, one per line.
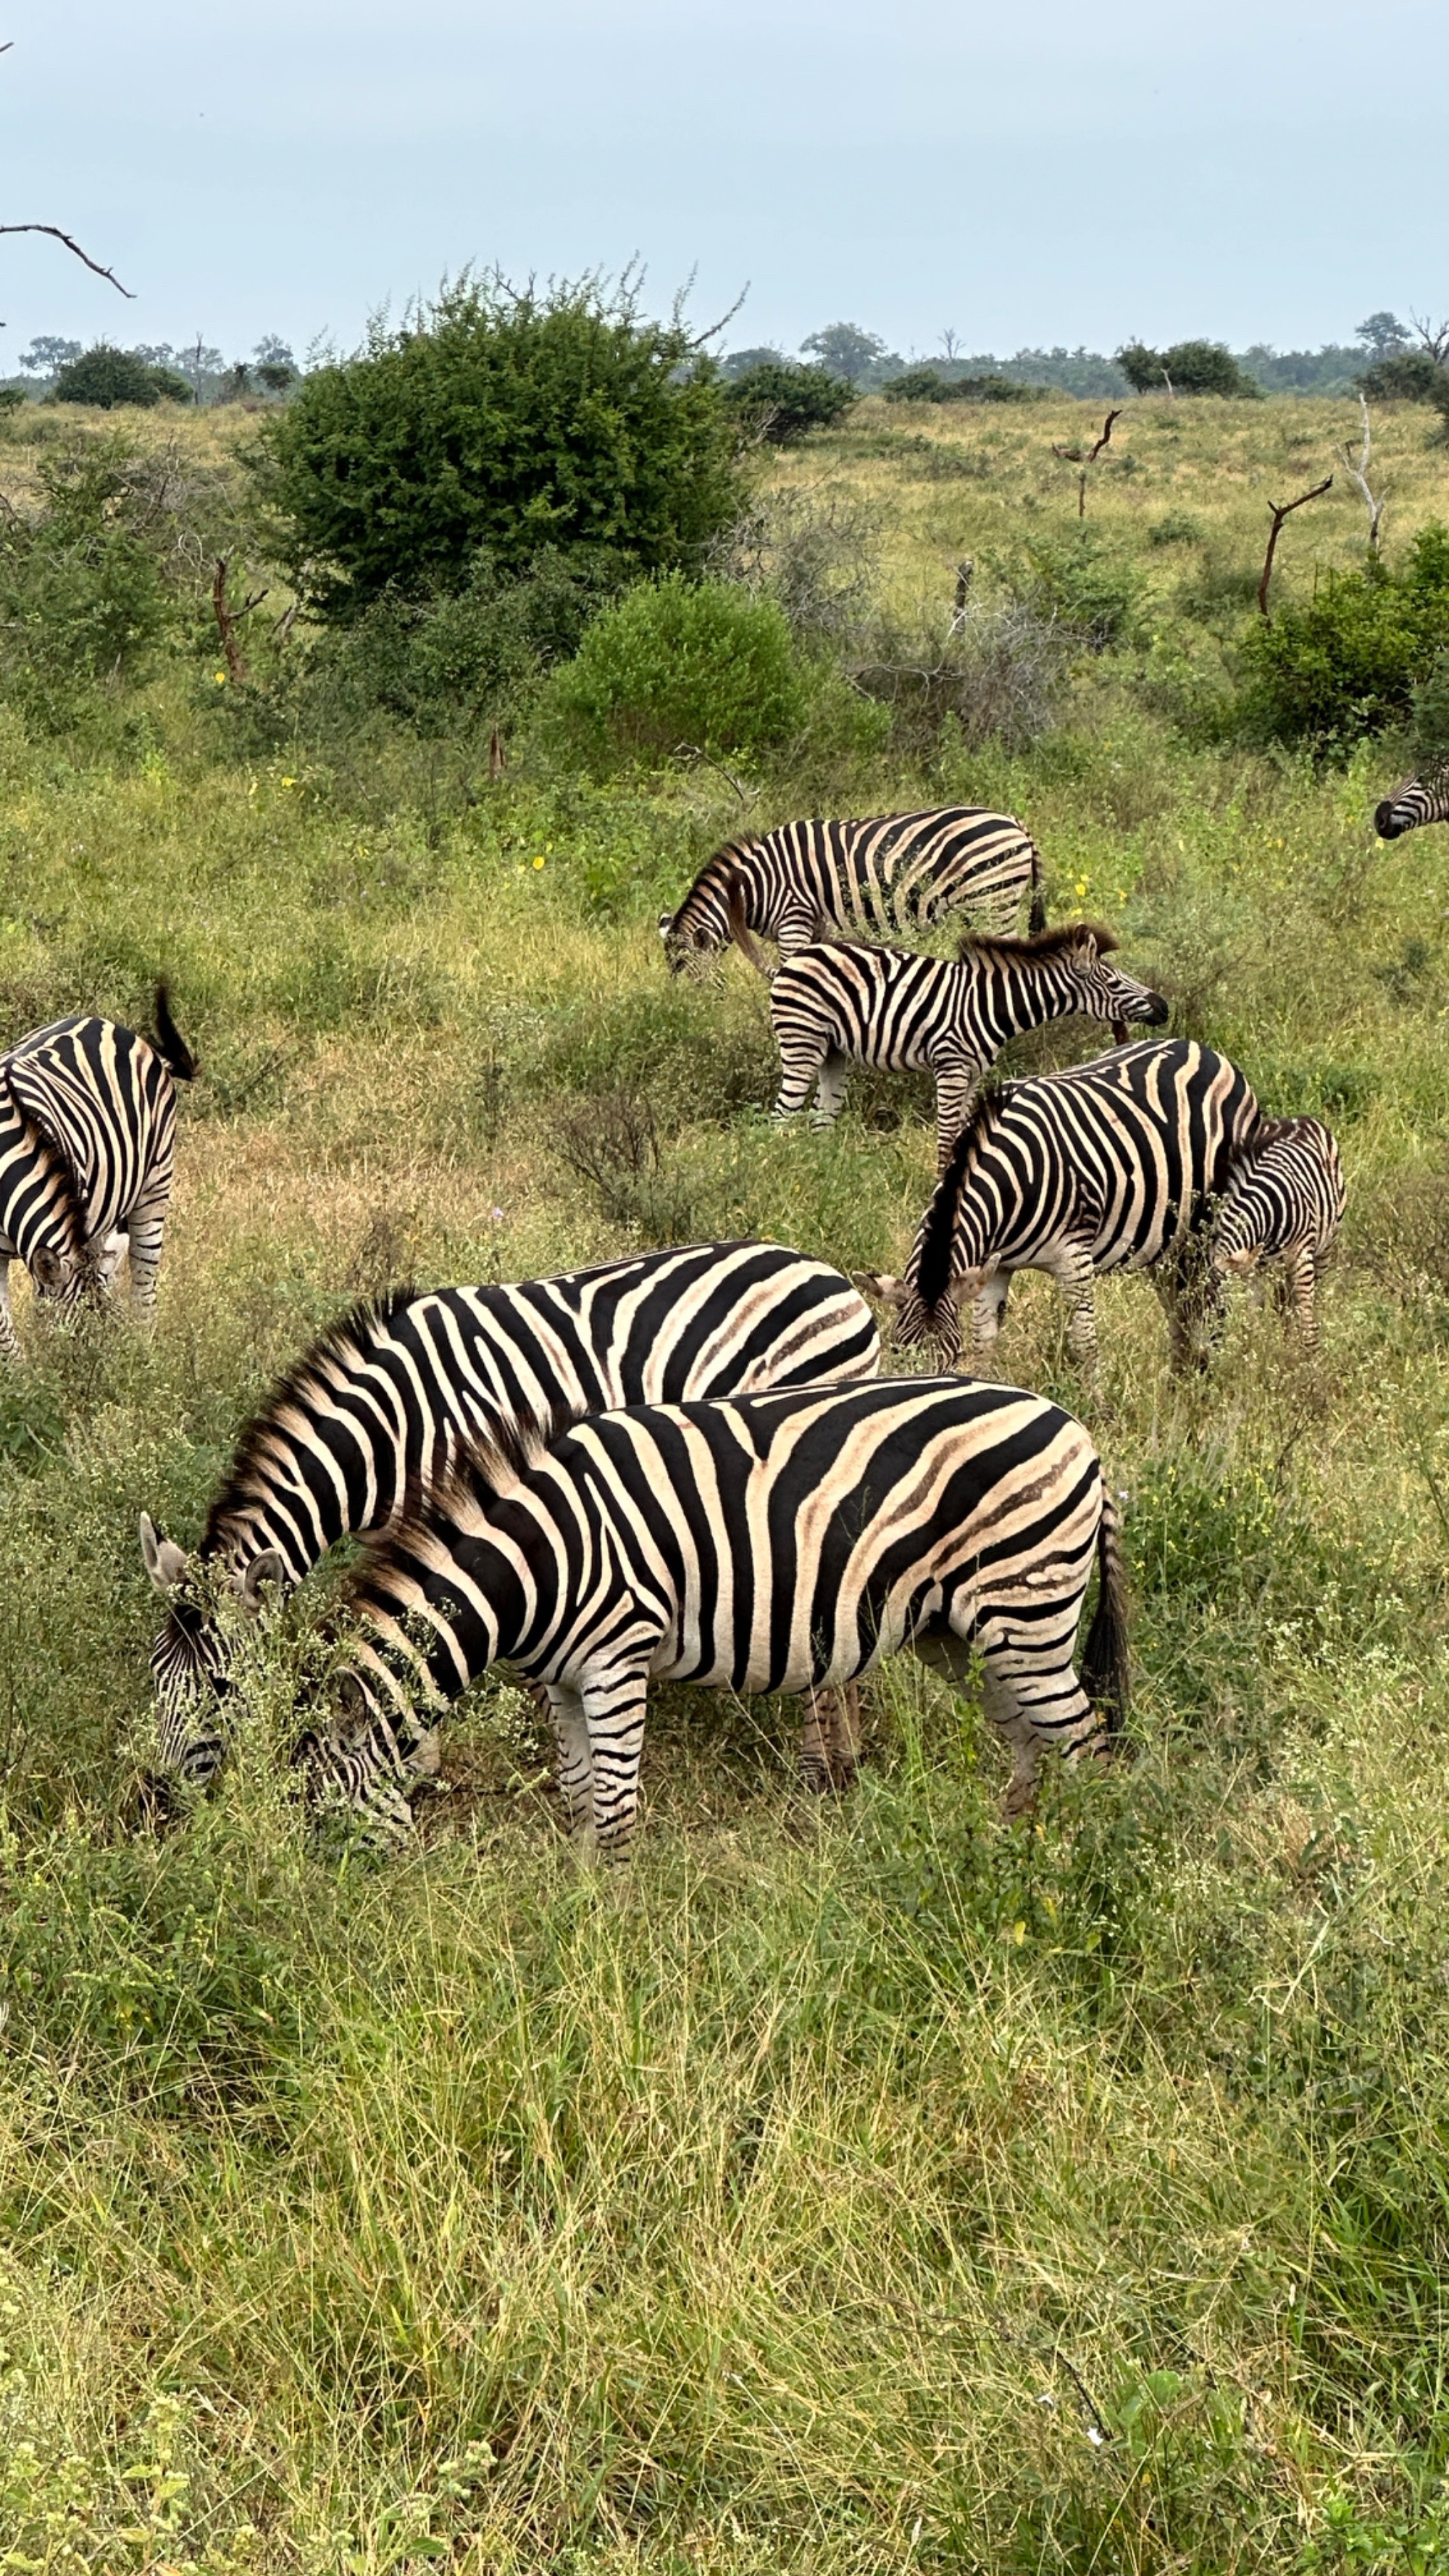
column 1284, row 1202
column 771, row 1542
column 891, row 873
column 380, row 1406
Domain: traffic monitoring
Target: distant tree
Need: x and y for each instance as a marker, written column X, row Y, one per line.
column 1410, row 376
column 1188, row 367
column 782, row 403
column 845, row 350
column 1383, row 335
column 47, row 355
column 236, row 384
column 107, row 378
column 275, row 368
column 927, row 384
column 740, row 362
column 501, row 419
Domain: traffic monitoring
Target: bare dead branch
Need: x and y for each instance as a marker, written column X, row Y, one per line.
column 1358, row 474
column 725, row 319
column 1433, row 335
column 1167, row 380
column 1105, row 438
column 495, row 756
column 83, row 256
column 226, row 625
column 1282, row 510
column 693, row 751
column 1086, row 457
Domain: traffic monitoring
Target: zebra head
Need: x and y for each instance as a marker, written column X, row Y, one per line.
column 1101, row 991
column 355, row 1761
column 915, row 1323
column 1412, row 802
column 691, row 947
column 191, row 1651
column 711, row 915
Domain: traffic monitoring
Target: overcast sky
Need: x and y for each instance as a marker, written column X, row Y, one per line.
column 1034, row 173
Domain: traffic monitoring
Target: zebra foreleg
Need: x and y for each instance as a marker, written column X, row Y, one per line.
column 1296, row 1284
column 988, row 1313
column 145, row 1228
column 613, row 1707
column 1071, row 1268
column 955, row 1092
column 575, row 1765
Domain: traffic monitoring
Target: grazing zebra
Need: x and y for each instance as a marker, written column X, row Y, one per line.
column 1413, row 802
column 87, row 1140
column 381, row 1404
column 768, row 1542
column 1284, row 1202
column 896, row 872
column 892, row 1007
column 1107, row 1166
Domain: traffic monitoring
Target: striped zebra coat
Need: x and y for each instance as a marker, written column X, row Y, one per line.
column 87, row 1144
column 1107, row 1166
column 769, row 1542
column 381, row 1405
column 1284, row 1202
column 894, row 1008
column 1414, row 802
column 894, row 873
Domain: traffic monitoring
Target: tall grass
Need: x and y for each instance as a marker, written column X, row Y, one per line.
column 843, row 2188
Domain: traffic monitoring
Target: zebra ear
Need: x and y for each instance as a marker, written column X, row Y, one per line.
column 875, row 1283
column 266, row 1568
column 165, row 1562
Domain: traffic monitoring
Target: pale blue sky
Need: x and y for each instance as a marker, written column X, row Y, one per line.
column 1027, row 173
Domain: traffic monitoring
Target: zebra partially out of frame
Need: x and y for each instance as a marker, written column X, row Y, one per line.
column 87, row 1142
column 380, row 1406
column 1284, row 1202
column 760, row 1543
column 1108, row 1166
column 895, row 1008
column 894, row 873
column 1414, row 802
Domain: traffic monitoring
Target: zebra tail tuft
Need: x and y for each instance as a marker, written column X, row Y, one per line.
column 1106, row 1669
column 1036, row 918
column 169, row 1043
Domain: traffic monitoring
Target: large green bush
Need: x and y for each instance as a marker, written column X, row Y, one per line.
column 1191, row 366
column 1345, row 664
column 927, row 384
column 675, row 663
column 83, row 588
column 111, row 379
column 783, row 403
column 505, row 420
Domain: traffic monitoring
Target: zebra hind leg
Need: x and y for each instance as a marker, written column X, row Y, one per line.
column 830, row 1089
column 9, row 1338
column 830, row 1739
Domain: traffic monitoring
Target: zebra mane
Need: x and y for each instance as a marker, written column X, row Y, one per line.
column 494, row 1461
column 716, row 876
column 69, row 1178
column 296, row 1385
column 938, row 1225
column 981, row 947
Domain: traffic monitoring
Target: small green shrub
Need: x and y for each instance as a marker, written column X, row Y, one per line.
column 1345, row 664
column 927, row 384
column 782, row 403
column 1429, row 719
column 676, row 664
column 83, row 592
column 1075, row 582
column 110, row 379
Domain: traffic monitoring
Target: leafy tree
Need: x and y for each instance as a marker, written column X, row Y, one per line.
column 1347, row 663
column 1408, row 376
column 846, row 350
column 110, row 378
column 741, row 362
column 275, row 368
column 1383, row 335
column 1192, row 366
column 47, row 355
column 783, row 403
column 500, row 419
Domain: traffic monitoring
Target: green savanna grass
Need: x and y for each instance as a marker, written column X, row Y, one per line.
column 851, row 2187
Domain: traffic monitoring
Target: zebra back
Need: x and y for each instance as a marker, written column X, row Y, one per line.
column 104, row 1098
column 1285, row 1191
column 886, row 872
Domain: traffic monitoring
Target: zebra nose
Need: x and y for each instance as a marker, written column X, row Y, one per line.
column 1386, row 822
column 1158, row 1010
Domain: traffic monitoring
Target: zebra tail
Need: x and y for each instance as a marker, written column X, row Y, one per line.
column 168, row 1041
column 1106, row 1671
column 1036, row 919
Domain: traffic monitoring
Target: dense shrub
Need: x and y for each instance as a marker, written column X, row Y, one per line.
column 83, row 593
column 501, row 419
column 675, row 664
column 1346, row 663
column 1191, row 366
column 1429, row 719
column 927, row 384
column 111, row 378
column 1412, row 376
column 1077, row 583
column 783, row 403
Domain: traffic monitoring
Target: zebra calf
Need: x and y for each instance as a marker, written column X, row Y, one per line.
column 892, row 872
column 894, row 1008
column 1284, row 1202
column 756, row 1543
column 87, row 1145
column 1414, row 802
column 380, row 1406
column 1107, row 1166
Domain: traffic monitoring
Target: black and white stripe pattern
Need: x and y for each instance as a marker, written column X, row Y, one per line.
column 87, row 1142
column 894, row 1008
column 895, row 873
column 1107, row 1166
column 380, row 1407
column 764, row 1543
column 1414, row 802
column 1284, row 1202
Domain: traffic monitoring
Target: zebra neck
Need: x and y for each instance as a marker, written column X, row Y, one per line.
column 1009, row 999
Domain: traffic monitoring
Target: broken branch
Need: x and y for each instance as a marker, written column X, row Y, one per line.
column 84, row 256
column 1282, row 510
